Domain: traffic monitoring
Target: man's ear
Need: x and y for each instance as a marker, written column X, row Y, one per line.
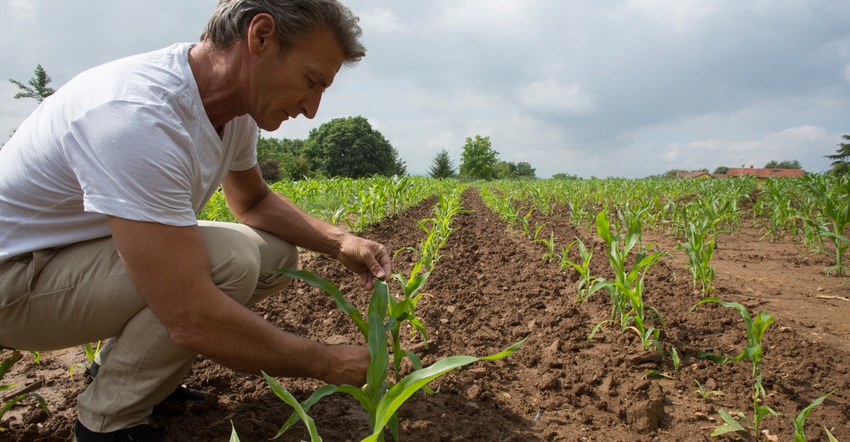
column 261, row 34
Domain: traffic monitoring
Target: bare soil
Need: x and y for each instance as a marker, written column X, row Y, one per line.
column 491, row 289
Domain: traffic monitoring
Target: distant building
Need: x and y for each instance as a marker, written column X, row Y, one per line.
column 764, row 173
column 761, row 174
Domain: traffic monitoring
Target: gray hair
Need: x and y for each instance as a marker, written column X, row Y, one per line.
column 294, row 19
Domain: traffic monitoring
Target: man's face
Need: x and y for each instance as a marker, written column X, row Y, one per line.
column 291, row 85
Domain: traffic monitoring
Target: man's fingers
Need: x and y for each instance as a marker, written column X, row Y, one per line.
column 378, row 268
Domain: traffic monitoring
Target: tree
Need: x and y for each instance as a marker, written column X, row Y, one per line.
column 721, row 170
column 349, row 147
column 773, row 164
column 37, row 88
column 672, row 173
column 506, row 170
column 565, row 176
column 478, row 160
column 841, row 165
column 524, row 170
column 282, row 159
column 442, row 167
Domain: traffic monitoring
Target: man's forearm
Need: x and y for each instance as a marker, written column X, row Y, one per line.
column 278, row 215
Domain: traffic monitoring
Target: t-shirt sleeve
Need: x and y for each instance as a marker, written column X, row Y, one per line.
column 134, row 162
column 245, row 134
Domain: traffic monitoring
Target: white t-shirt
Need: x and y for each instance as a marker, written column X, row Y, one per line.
column 130, row 139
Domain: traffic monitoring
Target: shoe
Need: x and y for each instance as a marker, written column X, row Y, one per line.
column 181, row 394
column 139, row 433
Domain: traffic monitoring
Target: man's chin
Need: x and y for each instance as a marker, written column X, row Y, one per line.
column 270, row 127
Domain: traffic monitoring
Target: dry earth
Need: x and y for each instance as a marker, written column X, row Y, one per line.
column 491, row 289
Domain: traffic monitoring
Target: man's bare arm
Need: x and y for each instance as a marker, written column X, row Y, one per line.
column 170, row 267
column 255, row 204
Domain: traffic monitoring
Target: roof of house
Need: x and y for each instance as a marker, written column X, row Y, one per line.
column 764, row 173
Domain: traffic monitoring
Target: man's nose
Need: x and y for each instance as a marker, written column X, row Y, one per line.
column 310, row 105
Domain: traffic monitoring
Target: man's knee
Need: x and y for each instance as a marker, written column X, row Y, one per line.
column 234, row 262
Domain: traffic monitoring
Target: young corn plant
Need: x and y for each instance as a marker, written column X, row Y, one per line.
column 755, row 329
column 704, row 393
column 5, row 365
column 583, row 268
column 91, row 352
column 700, row 251
column 549, row 243
column 381, row 397
column 438, row 228
column 833, row 201
column 800, row 421
column 626, row 290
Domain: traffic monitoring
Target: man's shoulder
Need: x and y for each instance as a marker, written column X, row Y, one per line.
column 151, row 75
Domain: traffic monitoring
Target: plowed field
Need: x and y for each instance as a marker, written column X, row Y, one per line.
column 491, row 289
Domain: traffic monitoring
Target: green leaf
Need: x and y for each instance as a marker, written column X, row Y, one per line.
column 8, row 405
column 315, row 397
column 330, row 289
column 829, row 435
column 376, row 341
column 9, row 362
column 719, row 359
column 603, row 228
column 731, row 425
column 292, row 402
column 800, row 421
column 411, row 383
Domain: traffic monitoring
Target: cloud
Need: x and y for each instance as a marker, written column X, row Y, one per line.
column 807, row 144
column 550, row 95
column 23, row 9
column 380, row 21
column 616, row 88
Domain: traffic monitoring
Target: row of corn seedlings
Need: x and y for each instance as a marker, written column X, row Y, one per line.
column 814, row 208
column 626, row 289
column 387, row 388
column 699, row 221
column 357, row 203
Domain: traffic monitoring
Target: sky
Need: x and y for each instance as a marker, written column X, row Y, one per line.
column 604, row 88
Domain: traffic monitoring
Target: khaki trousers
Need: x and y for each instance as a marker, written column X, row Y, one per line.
column 81, row 293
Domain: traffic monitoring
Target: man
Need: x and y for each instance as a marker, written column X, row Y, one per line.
column 98, row 194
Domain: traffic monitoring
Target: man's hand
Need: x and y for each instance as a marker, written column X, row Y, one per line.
column 366, row 258
column 347, row 365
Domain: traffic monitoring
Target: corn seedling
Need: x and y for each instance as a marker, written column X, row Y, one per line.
column 525, row 222
column 410, row 287
column 703, row 393
column 90, row 352
column 550, row 245
column 380, row 398
column 800, row 421
column 5, row 366
column 755, row 329
column 583, row 268
column 674, row 356
column 700, row 251
column 778, row 210
column 626, row 290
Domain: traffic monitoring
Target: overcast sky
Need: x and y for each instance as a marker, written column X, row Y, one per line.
column 584, row 87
